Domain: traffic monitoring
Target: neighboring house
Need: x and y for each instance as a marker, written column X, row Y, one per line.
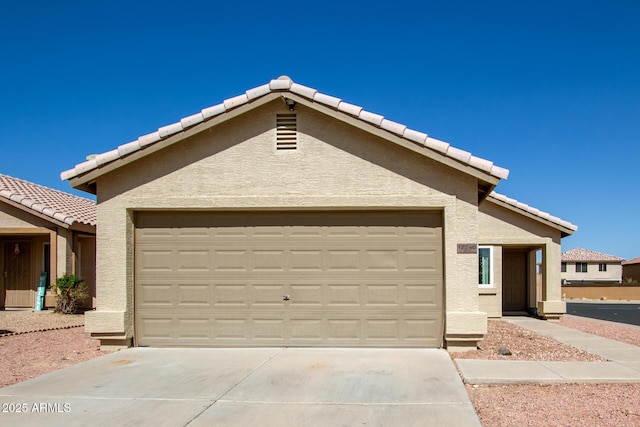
column 287, row 217
column 631, row 270
column 590, row 267
column 42, row 230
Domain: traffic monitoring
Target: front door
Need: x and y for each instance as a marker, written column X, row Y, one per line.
column 514, row 280
column 17, row 274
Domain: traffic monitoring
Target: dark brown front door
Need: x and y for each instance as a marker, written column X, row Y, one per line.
column 17, row 274
column 514, row 281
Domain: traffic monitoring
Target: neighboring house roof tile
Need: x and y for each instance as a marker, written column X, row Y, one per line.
column 532, row 211
column 282, row 85
column 584, row 255
column 58, row 205
column 632, row 261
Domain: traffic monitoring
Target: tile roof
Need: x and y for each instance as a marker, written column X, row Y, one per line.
column 632, row 261
column 579, row 254
column 531, row 210
column 63, row 207
column 283, row 85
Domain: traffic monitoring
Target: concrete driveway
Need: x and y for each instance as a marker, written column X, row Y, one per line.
column 246, row 387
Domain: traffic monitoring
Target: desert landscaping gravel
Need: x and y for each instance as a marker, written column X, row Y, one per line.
column 554, row 405
column 523, row 345
column 27, row 354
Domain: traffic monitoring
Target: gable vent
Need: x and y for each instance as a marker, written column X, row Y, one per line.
column 286, row 132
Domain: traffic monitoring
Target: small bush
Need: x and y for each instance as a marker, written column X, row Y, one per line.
column 71, row 292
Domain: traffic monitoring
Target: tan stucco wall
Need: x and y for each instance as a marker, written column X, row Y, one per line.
column 502, row 227
column 613, row 273
column 11, row 217
column 604, row 292
column 235, row 166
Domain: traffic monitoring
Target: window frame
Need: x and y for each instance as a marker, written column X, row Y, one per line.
column 491, row 283
column 579, row 267
column 602, row 266
column 563, row 267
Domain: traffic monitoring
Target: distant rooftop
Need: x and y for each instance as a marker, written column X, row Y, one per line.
column 632, row 261
column 579, row 254
column 58, row 205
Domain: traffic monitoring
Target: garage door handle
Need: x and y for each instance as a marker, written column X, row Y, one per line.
column 286, row 297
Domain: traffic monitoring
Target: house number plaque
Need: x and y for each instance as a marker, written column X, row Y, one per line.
column 467, row 248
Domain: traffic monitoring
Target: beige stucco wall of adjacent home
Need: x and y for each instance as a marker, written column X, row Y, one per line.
column 235, row 165
column 38, row 231
column 613, row 273
column 20, row 225
column 502, row 228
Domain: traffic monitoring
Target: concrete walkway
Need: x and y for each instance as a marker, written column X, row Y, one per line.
column 247, row 387
column 623, row 365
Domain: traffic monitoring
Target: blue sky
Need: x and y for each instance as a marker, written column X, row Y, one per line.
column 548, row 89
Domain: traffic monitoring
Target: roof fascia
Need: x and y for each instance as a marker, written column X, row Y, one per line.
column 35, row 213
column 83, row 228
column 563, row 230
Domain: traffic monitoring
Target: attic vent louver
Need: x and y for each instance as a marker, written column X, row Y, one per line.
column 286, row 131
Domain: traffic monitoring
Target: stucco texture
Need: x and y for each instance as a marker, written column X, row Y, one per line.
column 235, row 165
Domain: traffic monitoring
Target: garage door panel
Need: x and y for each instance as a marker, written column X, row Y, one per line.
column 293, row 328
column 153, row 294
column 193, row 295
column 353, row 279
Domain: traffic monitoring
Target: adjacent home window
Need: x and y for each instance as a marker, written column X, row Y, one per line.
column 581, row 267
column 563, row 267
column 602, row 267
column 485, row 266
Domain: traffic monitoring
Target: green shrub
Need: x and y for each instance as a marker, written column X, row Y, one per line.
column 71, row 292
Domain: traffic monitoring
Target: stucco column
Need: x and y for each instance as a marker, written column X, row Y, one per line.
column 64, row 250
column 551, row 307
column 465, row 324
column 114, row 278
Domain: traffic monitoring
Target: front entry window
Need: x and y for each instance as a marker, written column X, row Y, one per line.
column 485, row 266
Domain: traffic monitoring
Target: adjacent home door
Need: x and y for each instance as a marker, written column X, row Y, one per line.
column 17, row 274
column 514, row 280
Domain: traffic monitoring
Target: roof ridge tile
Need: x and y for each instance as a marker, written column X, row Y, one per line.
column 305, row 91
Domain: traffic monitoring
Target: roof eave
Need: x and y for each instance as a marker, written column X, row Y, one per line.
column 564, row 231
column 385, row 134
column 35, row 213
column 87, row 181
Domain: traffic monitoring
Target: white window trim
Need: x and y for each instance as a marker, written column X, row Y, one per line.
column 491, row 283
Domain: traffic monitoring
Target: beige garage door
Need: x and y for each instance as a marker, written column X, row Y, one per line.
column 332, row 279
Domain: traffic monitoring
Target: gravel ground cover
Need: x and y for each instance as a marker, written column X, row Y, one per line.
column 554, row 405
column 589, row 405
column 60, row 341
column 17, row 322
column 523, row 345
column 27, row 354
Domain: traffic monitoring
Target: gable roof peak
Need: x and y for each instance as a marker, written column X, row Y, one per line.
column 282, row 84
